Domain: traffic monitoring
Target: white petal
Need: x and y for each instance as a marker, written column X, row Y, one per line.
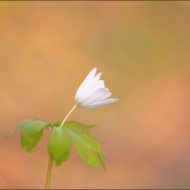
column 105, row 96
column 92, row 85
column 101, row 103
column 85, row 84
column 99, row 84
column 96, row 78
column 96, row 96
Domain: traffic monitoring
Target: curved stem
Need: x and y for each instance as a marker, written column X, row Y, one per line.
column 73, row 108
column 48, row 178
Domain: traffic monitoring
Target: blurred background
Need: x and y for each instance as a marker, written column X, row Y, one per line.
column 142, row 48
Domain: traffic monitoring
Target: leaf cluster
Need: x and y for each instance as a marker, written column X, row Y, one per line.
column 61, row 139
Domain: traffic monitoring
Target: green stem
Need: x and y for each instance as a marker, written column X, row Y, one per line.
column 72, row 109
column 48, row 178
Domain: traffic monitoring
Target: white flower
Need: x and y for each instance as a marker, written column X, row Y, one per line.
column 92, row 92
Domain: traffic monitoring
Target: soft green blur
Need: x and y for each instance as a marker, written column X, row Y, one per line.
column 142, row 49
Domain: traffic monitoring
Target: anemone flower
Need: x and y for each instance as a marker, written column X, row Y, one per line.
column 92, row 92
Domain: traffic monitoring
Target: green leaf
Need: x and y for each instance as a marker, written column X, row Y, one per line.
column 90, row 126
column 58, row 123
column 87, row 147
column 69, row 123
column 19, row 126
column 59, row 145
column 100, row 157
column 31, row 133
column 77, row 124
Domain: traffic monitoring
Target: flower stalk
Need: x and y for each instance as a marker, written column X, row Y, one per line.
column 48, row 178
column 72, row 109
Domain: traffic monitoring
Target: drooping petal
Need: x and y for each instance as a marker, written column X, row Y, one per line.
column 85, row 84
column 98, row 95
column 101, row 103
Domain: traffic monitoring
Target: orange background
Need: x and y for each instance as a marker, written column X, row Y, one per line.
column 143, row 50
